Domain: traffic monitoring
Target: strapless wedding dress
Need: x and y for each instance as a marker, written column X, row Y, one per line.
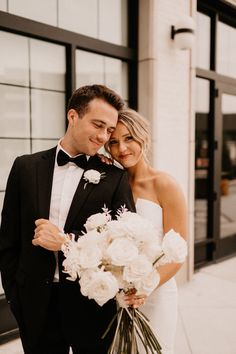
column 161, row 305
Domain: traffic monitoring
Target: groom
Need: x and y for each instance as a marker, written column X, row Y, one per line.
column 51, row 312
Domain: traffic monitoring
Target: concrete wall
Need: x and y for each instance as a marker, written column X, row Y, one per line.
column 166, row 98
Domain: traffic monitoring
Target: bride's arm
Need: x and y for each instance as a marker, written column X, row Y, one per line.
column 174, row 208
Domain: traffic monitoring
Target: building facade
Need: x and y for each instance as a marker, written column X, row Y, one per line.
column 51, row 47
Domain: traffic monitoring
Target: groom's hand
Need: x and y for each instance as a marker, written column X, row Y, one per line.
column 47, row 235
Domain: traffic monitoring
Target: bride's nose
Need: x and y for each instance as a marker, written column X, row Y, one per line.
column 122, row 146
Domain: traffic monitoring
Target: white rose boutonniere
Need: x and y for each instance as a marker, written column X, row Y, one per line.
column 93, row 176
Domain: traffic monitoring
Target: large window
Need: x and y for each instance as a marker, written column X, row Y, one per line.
column 215, row 218
column 101, row 19
column 32, row 98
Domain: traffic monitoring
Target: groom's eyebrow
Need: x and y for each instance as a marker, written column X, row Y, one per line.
column 103, row 123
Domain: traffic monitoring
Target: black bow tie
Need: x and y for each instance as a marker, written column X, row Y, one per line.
column 63, row 159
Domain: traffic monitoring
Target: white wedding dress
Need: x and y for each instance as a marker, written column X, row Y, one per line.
column 161, row 305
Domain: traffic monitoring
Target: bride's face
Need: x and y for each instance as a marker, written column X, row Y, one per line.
column 123, row 147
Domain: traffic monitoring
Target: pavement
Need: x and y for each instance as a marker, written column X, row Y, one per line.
column 207, row 313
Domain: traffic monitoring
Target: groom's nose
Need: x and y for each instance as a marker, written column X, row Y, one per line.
column 103, row 136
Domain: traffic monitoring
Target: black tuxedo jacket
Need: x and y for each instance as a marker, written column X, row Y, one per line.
column 27, row 271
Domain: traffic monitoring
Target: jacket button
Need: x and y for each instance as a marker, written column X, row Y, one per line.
column 47, row 281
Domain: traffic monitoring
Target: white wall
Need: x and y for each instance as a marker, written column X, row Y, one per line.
column 165, row 96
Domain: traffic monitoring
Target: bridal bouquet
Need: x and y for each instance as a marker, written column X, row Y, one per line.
column 118, row 257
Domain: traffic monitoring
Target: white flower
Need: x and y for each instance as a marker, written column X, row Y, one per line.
column 174, row 248
column 137, row 269
column 70, row 263
column 148, row 283
column 120, row 298
column 93, row 176
column 86, row 279
column 152, row 250
column 90, row 252
column 122, row 251
column 116, row 229
column 140, row 229
column 101, row 287
column 97, row 221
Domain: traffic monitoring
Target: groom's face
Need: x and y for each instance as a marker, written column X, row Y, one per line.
column 90, row 132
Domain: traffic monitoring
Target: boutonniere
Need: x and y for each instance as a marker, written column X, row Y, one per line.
column 93, row 176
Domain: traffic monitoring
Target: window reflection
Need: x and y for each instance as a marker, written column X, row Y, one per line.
column 42, row 11
column 113, row 21
column 89, row 68
column 14, row 59
column 9, row 149
column 228, row 169
column 201, row 158
column 45, row 72
column 94, row 68
column 14, row 111
column 116, row 76
column 226, row 50
column 73, row 15
column 48, row 114
column 203, row 30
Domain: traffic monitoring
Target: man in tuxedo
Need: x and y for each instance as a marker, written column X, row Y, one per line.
column 48, row 189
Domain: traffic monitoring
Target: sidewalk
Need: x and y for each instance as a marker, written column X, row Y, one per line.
column 207, row 313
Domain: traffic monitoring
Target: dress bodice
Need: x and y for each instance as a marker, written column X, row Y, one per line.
column 152, row 212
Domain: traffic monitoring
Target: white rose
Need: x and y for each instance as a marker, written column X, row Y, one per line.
column 122, row 251
column 137, row 227
column 137, row 269
column 86, row 279
column 174, row 248
column 148, row 283
column 97, row 221
column 152, row 250
column 116, row 229
column 92, row 176
column 90, row 256
column 103, row 287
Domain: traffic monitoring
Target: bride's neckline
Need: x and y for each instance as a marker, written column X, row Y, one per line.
column 148, row 201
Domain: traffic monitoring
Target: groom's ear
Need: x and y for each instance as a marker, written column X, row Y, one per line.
column 72, row 115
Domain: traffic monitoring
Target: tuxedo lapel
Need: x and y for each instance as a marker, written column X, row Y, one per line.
column 45, row 169
column 82, row 192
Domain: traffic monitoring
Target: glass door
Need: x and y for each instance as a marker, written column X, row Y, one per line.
column 204, row 194
column 226, row 170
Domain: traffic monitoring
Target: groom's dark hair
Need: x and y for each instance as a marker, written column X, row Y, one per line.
column 81, row 98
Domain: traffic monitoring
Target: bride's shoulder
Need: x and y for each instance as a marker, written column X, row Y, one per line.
column 163, row 181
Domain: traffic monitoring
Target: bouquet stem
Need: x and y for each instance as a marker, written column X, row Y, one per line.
column 131, row 325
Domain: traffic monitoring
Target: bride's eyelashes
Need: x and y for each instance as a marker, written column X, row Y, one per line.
column 126, row 139
column 112, row 142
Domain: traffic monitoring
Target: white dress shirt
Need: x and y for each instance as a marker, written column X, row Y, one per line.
column 65, row 182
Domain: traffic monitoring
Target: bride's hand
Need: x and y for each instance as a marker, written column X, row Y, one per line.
column 135, row 300
column 105, row 159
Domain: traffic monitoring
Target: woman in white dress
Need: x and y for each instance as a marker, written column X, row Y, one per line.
column 158, row 198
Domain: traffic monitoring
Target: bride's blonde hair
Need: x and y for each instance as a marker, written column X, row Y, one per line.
column 138, row 127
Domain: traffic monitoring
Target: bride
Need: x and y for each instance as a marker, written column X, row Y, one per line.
column 158, row 198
